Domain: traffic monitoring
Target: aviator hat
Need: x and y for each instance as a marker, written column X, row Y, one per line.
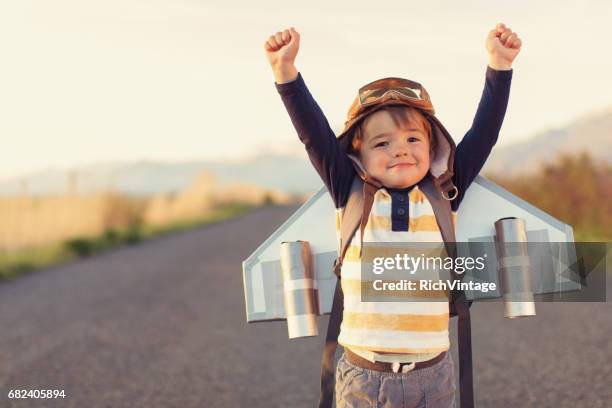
column 398, row 91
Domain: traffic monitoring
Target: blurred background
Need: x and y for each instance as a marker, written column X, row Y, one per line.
column 124, row 118
column 150, row 134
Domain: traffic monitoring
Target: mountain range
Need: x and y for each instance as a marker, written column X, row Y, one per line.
column 591, row 133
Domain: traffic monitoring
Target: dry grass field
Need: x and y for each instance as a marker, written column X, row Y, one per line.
column 38, row 231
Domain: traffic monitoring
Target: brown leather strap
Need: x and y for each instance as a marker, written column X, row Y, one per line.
column 444, row 184
column 460, row 306
column 368, row 200
column 442, row 210
column 355, row 215
column 351, row 220
column 464, row 338
column 326, row 398
column 359, row 361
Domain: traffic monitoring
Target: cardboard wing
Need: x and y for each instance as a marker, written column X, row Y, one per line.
column 483, row 204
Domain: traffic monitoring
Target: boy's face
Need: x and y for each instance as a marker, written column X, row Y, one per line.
column 397, row 157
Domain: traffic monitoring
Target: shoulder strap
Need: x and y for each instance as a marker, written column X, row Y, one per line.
column 442, row 209
column 326, row 396
column 458, row 303
column 356, row 213
column 351, row 219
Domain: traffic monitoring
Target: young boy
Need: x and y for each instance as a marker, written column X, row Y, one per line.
column 395, row 355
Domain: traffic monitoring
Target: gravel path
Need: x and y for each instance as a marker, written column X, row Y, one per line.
column 162, row 324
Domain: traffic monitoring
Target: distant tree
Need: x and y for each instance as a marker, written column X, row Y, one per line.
column 574, row 189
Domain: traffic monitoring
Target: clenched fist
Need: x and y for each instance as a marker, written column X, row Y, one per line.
column 281, row 50
column 503, row 46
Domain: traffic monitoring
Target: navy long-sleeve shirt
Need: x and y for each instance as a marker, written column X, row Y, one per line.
column 336, row 169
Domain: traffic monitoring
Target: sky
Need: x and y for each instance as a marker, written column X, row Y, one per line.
column 92, row 81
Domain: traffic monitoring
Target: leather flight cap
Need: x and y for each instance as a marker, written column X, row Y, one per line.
column 404, row 92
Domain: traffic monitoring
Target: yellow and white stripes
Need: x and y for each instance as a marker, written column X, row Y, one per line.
column 416, row 326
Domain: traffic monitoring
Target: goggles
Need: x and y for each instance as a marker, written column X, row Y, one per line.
column 389, row 88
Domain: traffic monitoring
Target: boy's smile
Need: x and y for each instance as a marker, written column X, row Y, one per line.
column 397, row 157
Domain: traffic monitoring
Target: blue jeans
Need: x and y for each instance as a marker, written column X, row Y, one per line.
column 429, row 387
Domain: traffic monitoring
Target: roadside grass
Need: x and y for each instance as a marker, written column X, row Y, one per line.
column 16, row 263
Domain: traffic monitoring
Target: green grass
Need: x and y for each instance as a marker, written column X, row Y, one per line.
column 15, row 263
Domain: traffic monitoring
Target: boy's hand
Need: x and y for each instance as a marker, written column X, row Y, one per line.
column 281, row 50
column 503, row 46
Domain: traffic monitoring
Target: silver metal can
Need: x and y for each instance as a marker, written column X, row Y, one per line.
column 300, row 289
column 514, row 267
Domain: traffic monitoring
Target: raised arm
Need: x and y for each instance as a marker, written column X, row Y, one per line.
column 472, row 152
column 312, row 127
